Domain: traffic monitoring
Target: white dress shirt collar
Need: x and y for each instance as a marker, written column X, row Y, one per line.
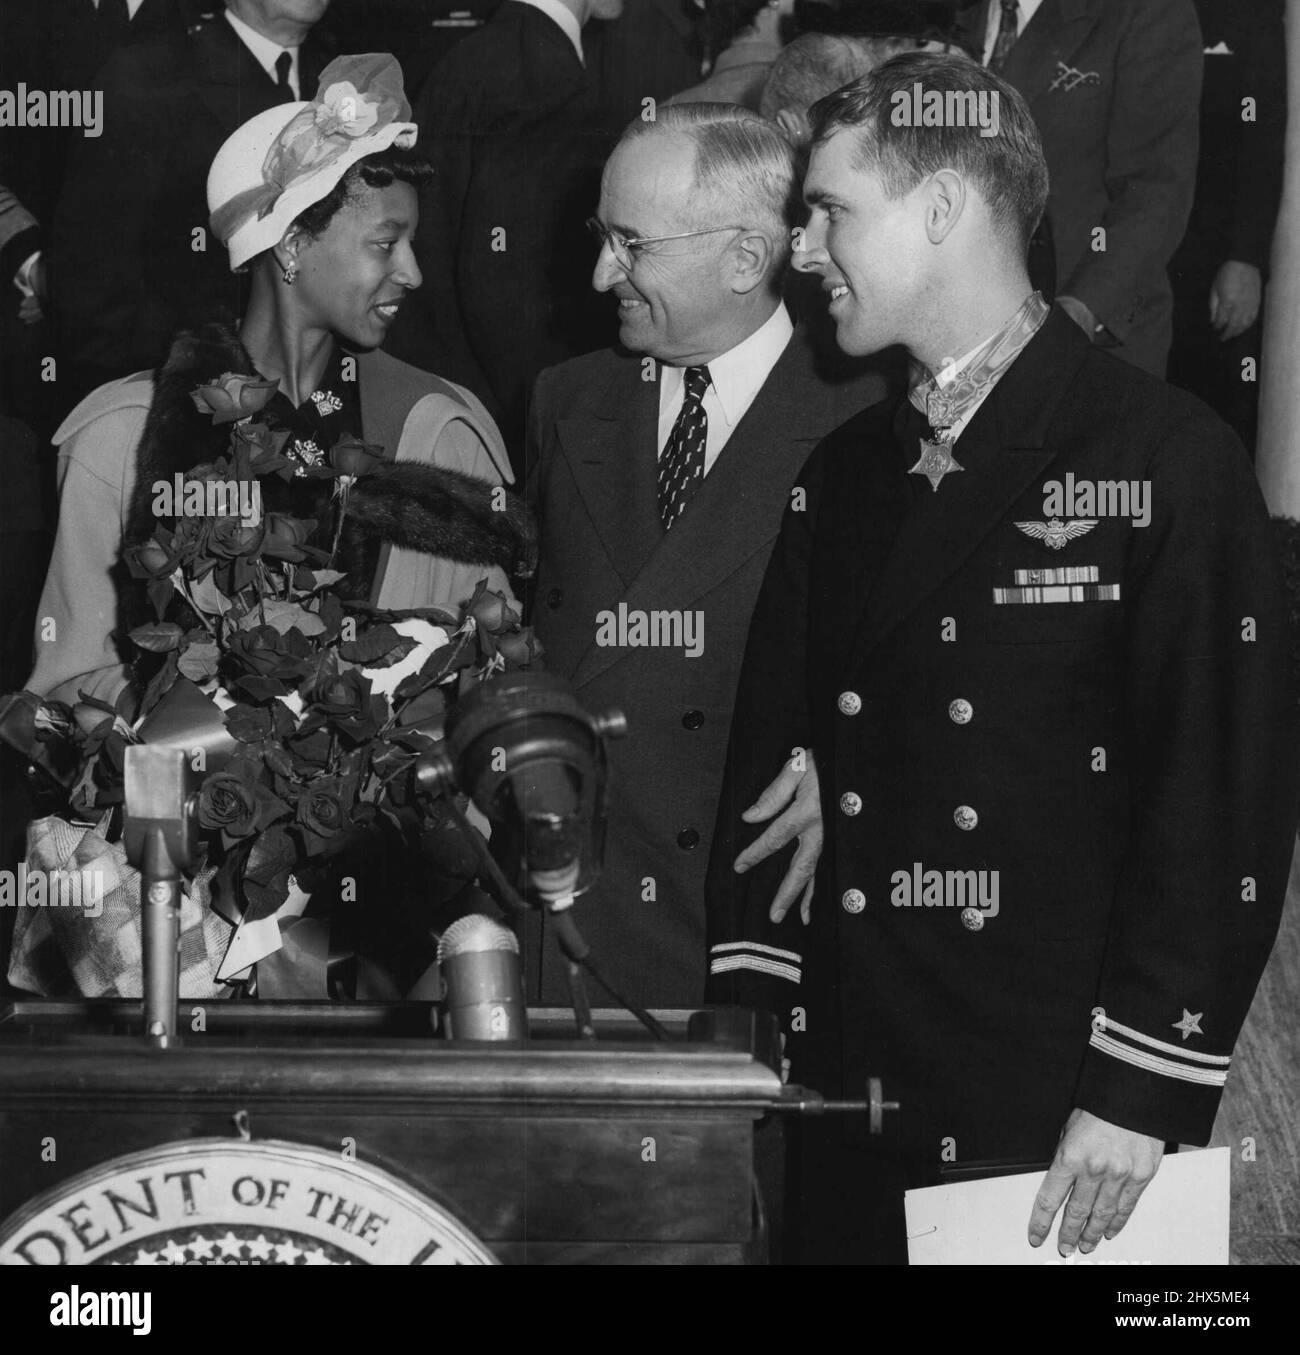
column 738, row 375
column 132, row 7
column 735, row 379
column 563, row 16
column 265, row 52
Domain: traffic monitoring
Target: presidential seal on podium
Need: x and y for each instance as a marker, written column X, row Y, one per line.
column 236, row 1202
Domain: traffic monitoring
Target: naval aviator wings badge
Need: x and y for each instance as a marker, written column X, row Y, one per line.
column 1055, row 534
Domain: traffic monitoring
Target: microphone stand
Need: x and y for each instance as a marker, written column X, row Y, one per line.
column 577, row 953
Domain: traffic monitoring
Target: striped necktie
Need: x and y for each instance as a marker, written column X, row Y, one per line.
column 681, row 467
column 1007, row 33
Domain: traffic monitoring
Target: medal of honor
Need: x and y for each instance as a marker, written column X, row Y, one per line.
column 935, row 462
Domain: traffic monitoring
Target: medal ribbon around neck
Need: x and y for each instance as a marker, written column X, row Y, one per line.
column 944, row 408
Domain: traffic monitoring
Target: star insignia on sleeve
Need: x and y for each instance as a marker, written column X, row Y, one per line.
column 1190, row 1024
column 1055, row 534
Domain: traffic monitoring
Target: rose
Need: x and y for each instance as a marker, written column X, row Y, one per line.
column 519, row 648
column 232, row 396
column 320, row 808
column 493, row 613
column 225, row 802
column 152, row 557
column 263, row 650
column 90, row 718
column 352, row 457
column 341, row 695
column 285, row 537
column 230, row 537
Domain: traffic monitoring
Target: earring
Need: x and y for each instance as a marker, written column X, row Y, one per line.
column 290, row 273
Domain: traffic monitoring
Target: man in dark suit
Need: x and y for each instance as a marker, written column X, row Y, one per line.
column 511, row 120
column 131, row 258
column 1113, row 86
column 659, row 474
column 1219, row 271
column 1043, row 683
column 63, row 45
column 653, row 50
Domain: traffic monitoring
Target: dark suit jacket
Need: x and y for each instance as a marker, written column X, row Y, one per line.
column 1131, row 763
column 1121, row 150
column 124, row 272
column 651, row 51
column 510, row 119
column 1239, row 180
column 593, row 434
column 58, row 45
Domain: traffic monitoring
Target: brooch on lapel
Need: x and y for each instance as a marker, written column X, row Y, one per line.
column 1055, row 534
column 1067, row 78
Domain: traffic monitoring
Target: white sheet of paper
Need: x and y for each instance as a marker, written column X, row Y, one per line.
column 1181, row 1219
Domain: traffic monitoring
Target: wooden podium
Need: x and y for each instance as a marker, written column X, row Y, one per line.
column 615, row 1150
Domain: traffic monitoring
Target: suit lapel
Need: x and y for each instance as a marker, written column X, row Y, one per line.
column 1050, row 40
column 612, row 459
column 736, row 511
column 231, row 83
column 1003, row 449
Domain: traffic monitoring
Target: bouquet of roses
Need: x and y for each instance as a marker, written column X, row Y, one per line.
column 304, row 712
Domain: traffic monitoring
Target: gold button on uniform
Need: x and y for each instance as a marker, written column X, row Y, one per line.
column 854, row 900
column 960, row 711
column 965, row 817
column 850, row 803
column 972, row 919
column 849, row 703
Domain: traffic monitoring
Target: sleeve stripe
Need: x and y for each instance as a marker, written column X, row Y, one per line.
column 1191, row 1054
column 1153, row 1063
column 763, row 950
column 724, row 964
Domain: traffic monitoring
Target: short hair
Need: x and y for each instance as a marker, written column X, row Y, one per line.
column 393, row 164
column 1008, row 169
column 744, row 169
column 816, row 64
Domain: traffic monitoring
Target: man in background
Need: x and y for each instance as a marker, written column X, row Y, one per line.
column 131, row 259
column 1114, row 87
column 1220, row 269
column 513, row 125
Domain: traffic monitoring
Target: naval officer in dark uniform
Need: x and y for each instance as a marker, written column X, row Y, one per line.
column 1021, row 649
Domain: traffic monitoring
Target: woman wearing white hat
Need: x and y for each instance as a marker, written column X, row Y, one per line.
column 318, row 200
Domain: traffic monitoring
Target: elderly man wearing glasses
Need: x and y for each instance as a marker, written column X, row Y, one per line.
column 660, row 471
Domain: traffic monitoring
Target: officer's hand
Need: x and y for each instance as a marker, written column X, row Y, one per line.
column 1235, row 295
column 797, row 793
column 1104, row 1170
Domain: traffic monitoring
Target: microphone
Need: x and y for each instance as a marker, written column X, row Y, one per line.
column 160, row 838
column 479, row 959
column 533, row 760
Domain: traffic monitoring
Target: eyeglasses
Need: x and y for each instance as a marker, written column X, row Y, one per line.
column 626, row 249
